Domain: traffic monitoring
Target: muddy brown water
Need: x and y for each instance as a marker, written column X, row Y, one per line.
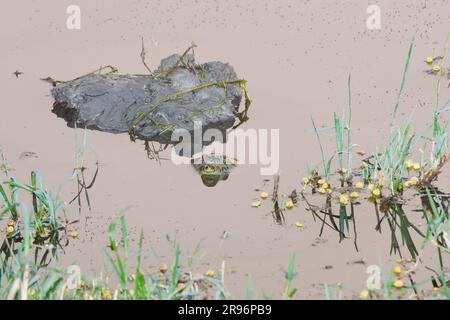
column 296, row 56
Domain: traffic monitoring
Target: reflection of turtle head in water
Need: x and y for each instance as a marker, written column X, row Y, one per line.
column 213, row 168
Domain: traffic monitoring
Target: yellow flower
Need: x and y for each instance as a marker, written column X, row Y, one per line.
column 376, row 192
column 10, row 223
column 210, row 273
column 409, row 164
column 436, row 68
column 364, row 295
column 408, row 184
column 359, row 185
column 106, row 294
column 163, row 268
column 371, row 186
column 299, row 225
column 414, row 181
column 305, row 180
column 325, row 186
column 344, row 199
column 9, row 231
column 354, row 195
column 256, row 204
column 398, row 284
column 264, row 195
column 398, row 270
column 416, row 166
column 289, row 205
column 429, row 59
column 73, row 234
column 322, row 190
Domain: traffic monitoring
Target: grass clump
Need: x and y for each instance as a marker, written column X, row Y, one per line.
column 389, row 180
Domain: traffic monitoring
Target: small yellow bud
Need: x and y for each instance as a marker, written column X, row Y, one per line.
column 416, row 166
column 429, row 60
column 256, row 204
column 305, row 180
column 371, row 186
column 409, row 164
column 364, row 295
column 322, row 190
column 376, row 192
column 398, row 270
column 325, row 186
column 11, row 223
column 289, row 205
column 344, row 199
column 73, row 234
column 414, row 181
column 106, row 294
column 264, row 195
column 436, row 68
column 359, row 185
column 9, row 231
column 210, row 273
column 163, row 268
column 408, row 184
column 299, row 225
column 398, row 284
column 354, row 195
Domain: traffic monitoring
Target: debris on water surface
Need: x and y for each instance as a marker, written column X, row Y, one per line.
column 27, row 155
column 256, row 204
column 17, row 73
column 225, row 235
column 264, row 195
column 290, row 205
column 73, row 234
column 150, row 107
column 299, row 225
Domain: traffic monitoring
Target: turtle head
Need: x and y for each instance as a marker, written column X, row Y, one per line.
column 210, row 174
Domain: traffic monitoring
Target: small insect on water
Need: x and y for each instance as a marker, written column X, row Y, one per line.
column 17, row 73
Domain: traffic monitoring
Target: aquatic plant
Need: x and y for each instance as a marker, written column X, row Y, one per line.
column 390, row 178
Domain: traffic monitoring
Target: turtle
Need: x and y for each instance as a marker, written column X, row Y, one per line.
column 213, row 168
